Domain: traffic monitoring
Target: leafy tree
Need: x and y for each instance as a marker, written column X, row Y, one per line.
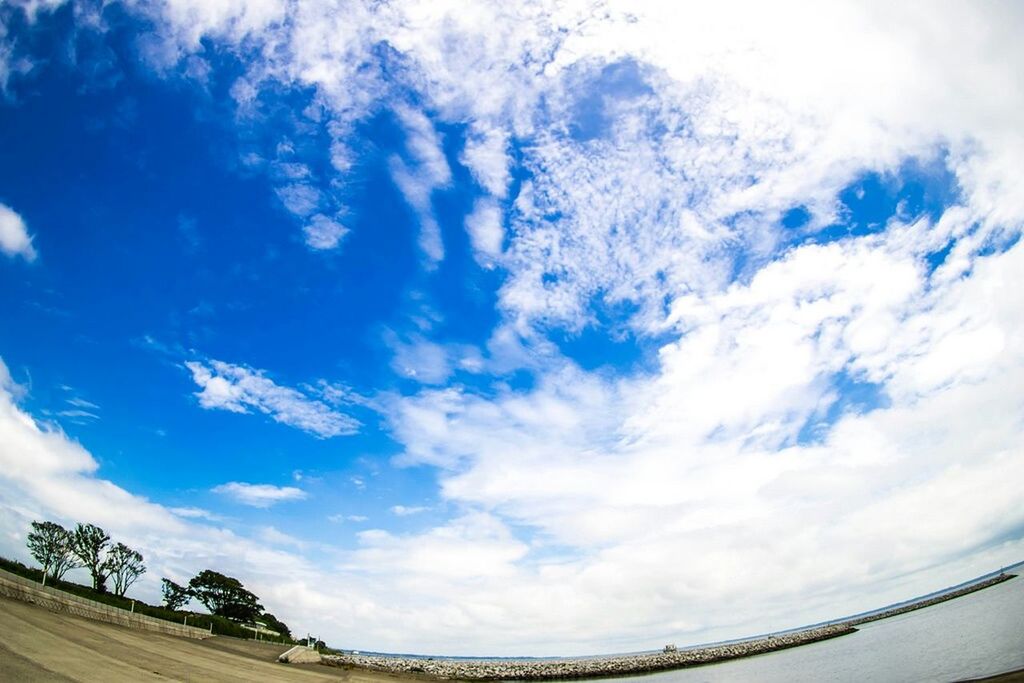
column 90, row 543
column 175, row 595
column 50, row 544
column 225, row 596
column 275, row 624
column 124, row 566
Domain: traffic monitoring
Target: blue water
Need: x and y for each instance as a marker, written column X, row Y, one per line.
column 979, row 634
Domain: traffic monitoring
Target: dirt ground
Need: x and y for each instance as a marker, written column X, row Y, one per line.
column 39, row 645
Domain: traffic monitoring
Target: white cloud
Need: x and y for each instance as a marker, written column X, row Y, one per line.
column 14, row 237
column 238, row 389
column 427, row 362
column 407, row 510
column 669, row 141
column 422, row 360
column 276, row 537
column 259, row 495
column 474, row 546
column 668, row 489
column 417, row 181
column 485, row 230
column 324, row 233
column 486, row 156
column 78, row 415
column 301, row 199
column 424, row 144
column 193, row 513
column 338, row 518
column 82, row 403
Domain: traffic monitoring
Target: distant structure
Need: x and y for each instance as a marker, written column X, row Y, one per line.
column 671, row 647
column 259, row 630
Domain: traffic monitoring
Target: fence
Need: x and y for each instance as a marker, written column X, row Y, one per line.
column 19, row 588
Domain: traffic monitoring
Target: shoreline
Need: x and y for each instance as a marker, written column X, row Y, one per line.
column 592, row 667
column 928, row 602
column 442, row 668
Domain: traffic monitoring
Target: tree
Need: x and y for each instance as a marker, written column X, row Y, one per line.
column 89, row 543
column 225, row 596
column 124, row 566
column 50, row 544
column 175, row 595
column 275, row 624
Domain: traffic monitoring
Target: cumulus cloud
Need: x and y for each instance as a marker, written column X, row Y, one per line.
column 239, row 389
column 258, row 495
column 700, row 483
column 14, row 237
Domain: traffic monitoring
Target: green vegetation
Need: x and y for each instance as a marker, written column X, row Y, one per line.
column 124, row 566
column 175, row 595
column 225, row 596
column 89, row 543
column 51, row 546
column 58, row 550
column 221, row 625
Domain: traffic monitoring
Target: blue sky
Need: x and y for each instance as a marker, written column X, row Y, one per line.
column 422, row 319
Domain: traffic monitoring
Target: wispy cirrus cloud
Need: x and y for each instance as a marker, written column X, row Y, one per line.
column 240, row 389
column 407, row 510
column 193, row 513
column 417, row 181
column 259, row 495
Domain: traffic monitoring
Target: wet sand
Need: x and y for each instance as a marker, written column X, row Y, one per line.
column 1009, row 677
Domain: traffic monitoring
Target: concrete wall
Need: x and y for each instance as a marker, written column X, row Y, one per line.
column 19, row 588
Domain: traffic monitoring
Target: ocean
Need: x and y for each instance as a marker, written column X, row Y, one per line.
column 977, row 635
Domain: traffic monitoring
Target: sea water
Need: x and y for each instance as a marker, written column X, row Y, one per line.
column 976, row 635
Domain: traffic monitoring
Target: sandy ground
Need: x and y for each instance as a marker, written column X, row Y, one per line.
column 39, row 645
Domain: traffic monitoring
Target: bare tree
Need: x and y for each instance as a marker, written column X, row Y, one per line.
column 90, row 543
column 124, row 566
column 51, row 546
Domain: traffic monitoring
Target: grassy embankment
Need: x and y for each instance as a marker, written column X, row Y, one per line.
column 222, row 626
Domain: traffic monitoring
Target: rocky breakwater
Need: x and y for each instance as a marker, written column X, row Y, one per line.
column 552, row 669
